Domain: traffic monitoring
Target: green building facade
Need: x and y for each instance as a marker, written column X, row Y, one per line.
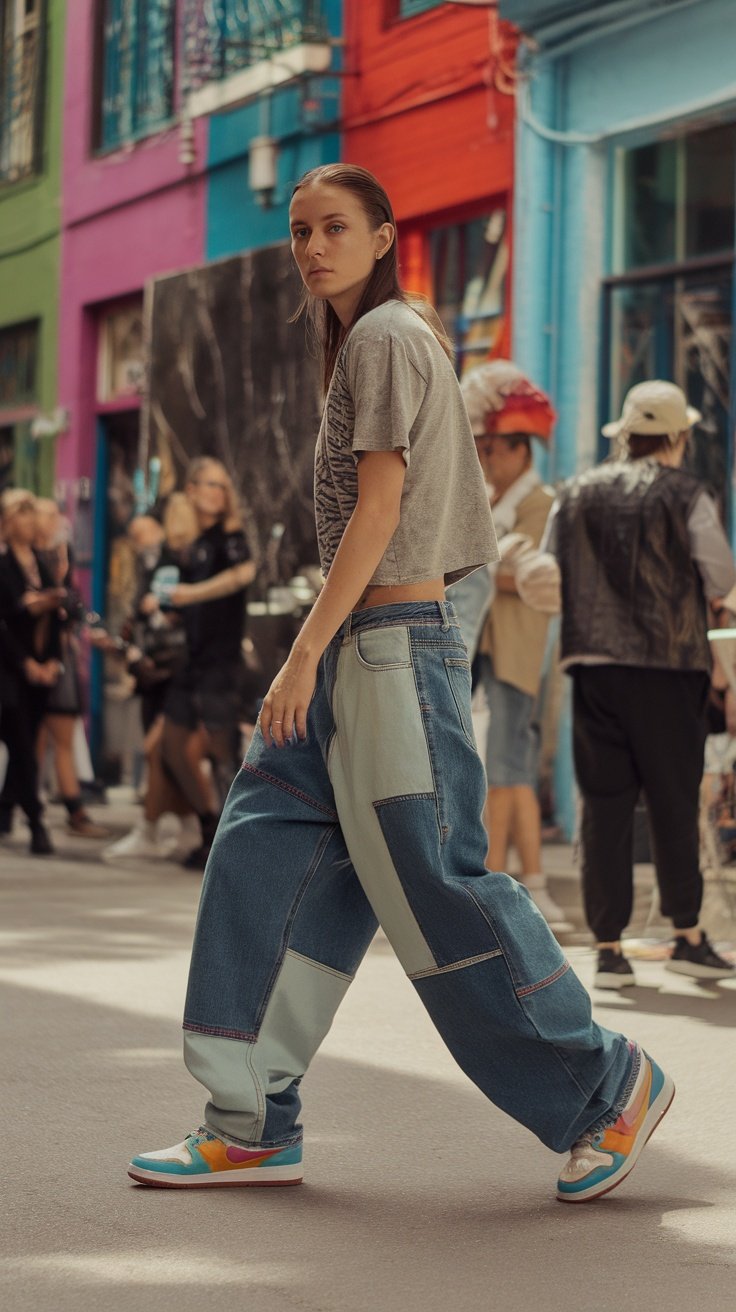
column 31, row 73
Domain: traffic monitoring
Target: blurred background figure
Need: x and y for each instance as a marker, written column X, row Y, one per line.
column 30, row 659
column 64, row 701
column 506, row 411
column 202, row 704
column 155, row 641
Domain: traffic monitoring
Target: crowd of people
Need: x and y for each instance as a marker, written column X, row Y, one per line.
column 182, row 646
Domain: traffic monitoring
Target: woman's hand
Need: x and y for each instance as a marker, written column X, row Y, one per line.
column 287, row 701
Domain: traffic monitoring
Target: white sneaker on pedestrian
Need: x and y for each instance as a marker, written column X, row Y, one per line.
column 544, row 902
column 187, row 840
column 140, row 843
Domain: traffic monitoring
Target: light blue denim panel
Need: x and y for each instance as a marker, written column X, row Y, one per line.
column 379, row 750
column 300, row 1011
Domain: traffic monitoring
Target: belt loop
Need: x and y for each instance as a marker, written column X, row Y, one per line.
column 443, row 612
column 348, row 626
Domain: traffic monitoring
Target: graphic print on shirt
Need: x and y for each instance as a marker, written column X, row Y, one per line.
column 335, row 470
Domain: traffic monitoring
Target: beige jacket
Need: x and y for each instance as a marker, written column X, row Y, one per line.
column 514, row 635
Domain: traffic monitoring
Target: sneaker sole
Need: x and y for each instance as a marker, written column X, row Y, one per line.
column 695, row 971
column 606, row 981
column 656, row 1113
column 258, row 1177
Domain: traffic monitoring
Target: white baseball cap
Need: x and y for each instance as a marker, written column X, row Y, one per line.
column 654, row 408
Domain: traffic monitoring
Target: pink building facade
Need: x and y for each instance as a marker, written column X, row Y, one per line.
column 128, row 214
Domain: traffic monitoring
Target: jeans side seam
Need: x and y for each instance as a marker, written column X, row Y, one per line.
column 319, row 965
column 586, row 1093
column 284, row 946
column 455, row 965
column 289, row 788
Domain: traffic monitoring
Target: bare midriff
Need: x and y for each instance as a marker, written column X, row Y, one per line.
column 396, row 594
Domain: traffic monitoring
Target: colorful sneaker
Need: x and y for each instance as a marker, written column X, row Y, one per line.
column 204, row 1161
column 603, row 1157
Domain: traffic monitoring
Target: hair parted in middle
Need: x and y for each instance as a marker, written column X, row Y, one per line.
column 383, row 283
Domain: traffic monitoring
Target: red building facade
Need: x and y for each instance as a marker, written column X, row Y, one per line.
column 429, row 108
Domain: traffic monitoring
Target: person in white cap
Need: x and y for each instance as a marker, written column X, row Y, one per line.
column 640, row 550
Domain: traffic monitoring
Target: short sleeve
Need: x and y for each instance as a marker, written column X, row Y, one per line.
column 388, row 390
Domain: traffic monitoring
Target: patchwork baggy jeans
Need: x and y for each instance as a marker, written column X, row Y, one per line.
column 376, row 817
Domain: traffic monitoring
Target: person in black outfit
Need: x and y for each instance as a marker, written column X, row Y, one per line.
column 30, row 660
column 640, row 547
column 202, row 703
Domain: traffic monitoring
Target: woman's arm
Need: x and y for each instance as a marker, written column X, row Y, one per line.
column 370, row 529
column 220, row 585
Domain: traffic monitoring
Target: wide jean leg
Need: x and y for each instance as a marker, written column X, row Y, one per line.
column 377, row 815
column 409, row 788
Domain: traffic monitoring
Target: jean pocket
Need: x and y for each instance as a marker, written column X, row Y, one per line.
column 384, row 649
column 458, row 676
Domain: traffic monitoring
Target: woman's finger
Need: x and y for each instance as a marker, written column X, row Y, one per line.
column 277, row 726
column 300, row 722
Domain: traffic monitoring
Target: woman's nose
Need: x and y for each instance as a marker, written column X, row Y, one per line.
column 315, row 246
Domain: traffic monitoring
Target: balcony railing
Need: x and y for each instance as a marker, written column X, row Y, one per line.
column 222, row 37
column 21, row 102
column 138, row 43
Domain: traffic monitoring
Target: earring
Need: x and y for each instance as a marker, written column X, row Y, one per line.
column 378, row 255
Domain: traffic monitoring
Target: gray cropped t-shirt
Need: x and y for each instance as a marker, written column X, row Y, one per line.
column 394, row 389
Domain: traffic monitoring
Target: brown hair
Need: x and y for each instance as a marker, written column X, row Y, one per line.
column 383, row 283
column 232, row 519
column 641, row 445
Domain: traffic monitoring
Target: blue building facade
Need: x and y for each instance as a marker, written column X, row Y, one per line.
column 624, row 230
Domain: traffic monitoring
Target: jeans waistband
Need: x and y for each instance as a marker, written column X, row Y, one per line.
column 439, row 614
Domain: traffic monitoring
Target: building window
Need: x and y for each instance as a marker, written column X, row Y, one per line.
column 137, row 41
column 22, row 30
column 668, row 308
column 18, row 398
column 469, row 263
column 408, row 8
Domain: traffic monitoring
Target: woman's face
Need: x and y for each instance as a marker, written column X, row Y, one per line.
column 21, row 527
column 208, row 492
column 333, row 243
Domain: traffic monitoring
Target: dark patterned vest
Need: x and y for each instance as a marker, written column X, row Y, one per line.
column 631, row 591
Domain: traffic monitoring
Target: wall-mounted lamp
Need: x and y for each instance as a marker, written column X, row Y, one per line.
column 262, row 161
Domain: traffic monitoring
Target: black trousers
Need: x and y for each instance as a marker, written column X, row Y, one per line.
column 637, row 729
column 20, row 722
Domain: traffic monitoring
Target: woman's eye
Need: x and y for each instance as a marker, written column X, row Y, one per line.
column 337, row 227
column 300, row 232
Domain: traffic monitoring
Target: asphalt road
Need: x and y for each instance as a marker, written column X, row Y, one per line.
column 419, row 1194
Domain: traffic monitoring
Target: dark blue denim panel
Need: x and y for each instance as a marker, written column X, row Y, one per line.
column 333, row 922
column 477, row 1013
column 442, row 677
column 435, row 887
column 268, row 846
column 282, row 1123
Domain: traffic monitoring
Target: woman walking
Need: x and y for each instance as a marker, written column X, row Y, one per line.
column 360, row 798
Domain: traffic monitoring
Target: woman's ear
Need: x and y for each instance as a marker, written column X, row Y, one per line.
column 386, row 236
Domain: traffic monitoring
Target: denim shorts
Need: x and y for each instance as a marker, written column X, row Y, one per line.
column 512, row 748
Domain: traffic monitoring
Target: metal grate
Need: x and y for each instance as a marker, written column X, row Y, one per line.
column 223, row 36
column 21, row 90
